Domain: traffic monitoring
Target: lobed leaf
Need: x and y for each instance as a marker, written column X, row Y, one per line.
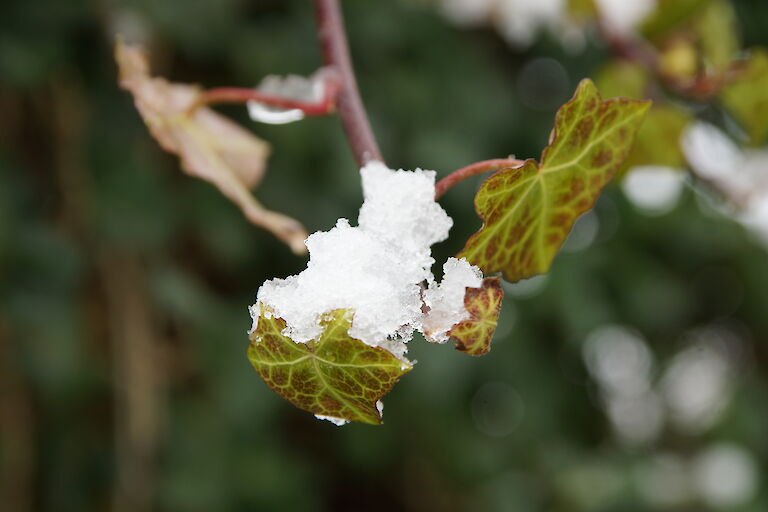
column 210, row 146
column 624, row 78
column 658, row 140
column 528, row 211
column 747, row 96
column 473, row 336
column 718, row 35
column 669, row 14
column 335, row 376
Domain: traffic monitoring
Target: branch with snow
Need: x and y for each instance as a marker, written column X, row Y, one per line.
column 378, row 269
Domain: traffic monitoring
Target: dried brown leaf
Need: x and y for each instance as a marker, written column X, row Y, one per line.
column 210, row 146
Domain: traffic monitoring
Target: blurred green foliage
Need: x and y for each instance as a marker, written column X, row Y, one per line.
column 124, row 284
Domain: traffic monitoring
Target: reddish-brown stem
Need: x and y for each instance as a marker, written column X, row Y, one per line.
column 630, row 48
column 324, row 106
column 701, row 88
column 472, row 170
column 335, row 50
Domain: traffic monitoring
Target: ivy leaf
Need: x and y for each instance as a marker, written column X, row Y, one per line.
column 624, row 78
column 210, row 146
column 528, row 211
column 747, row 96
column 335, row 376
column 473, row 336
column 658, row 140
column 718, row 35
column 669, row 14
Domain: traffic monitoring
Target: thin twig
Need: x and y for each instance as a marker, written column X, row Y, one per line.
column 472, row 170
column 335, row 50
column 324, row 106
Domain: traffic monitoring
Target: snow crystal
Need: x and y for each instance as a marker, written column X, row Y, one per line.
column 336, row 421
column 376, row 268
column 446, row 300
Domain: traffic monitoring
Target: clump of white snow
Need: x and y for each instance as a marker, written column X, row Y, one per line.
column 377, row 268
column 446, row 300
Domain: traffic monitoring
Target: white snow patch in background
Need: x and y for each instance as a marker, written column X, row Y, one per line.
column 725, row 476
column 446, row 300
column 710, row 152
column 519, row 21
column 624, row 17
column 467, row 12
column 655, row 190
column 376, row 268
column 697, row 386
column 741, row 174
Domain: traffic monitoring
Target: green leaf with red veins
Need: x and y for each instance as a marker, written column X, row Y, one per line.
column 528, row 211
column 336, row 376
column 473, row 336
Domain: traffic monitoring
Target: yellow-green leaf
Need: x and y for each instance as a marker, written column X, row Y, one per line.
column 473, row 336
column 623, row 78
column 747, row 96
column 336, row 376
column 669, row 14
column 528, row 211
column 718, row 35
column 658, row 140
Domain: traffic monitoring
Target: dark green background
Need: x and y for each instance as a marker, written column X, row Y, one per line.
column 122, row 277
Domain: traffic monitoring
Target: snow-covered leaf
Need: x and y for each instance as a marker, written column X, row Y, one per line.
column 528, row 211
column 473, row 336
column 333, row 376
column 210, row 146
